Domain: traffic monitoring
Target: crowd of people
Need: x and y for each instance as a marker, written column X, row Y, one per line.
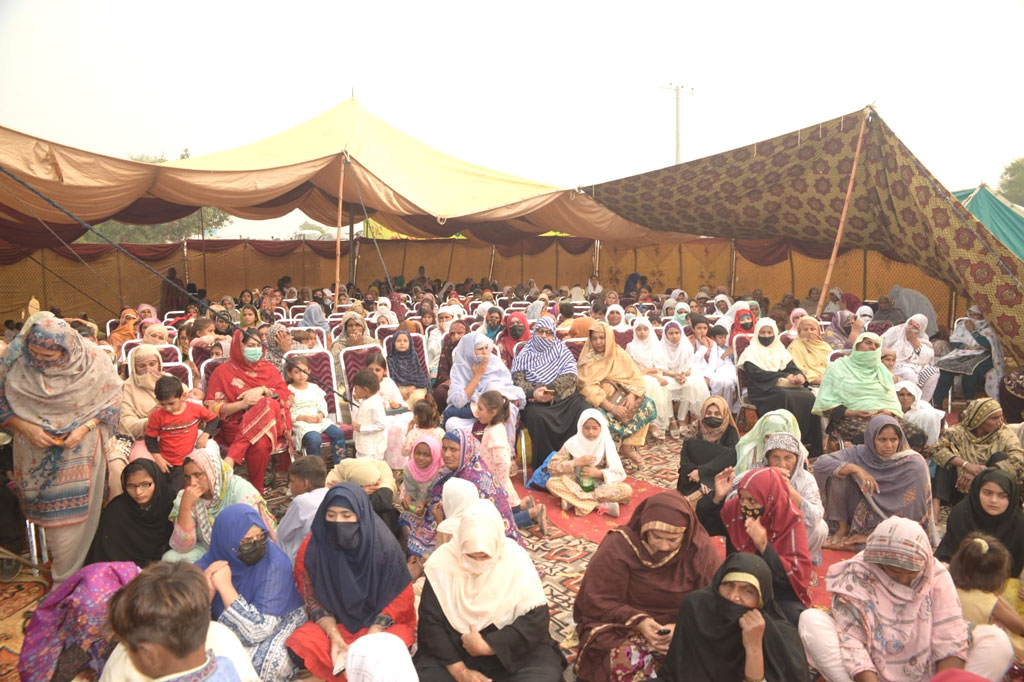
column 402, row 552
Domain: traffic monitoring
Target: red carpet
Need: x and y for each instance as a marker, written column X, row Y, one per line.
column 593, row 526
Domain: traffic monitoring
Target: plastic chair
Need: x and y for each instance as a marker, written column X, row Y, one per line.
column 169, row 353
column 623, row 338
column 384, row 331
column 206, row 370
column 419, row 344
column 321, row 373
column 296, row 311
column 575, row 346
column 181, row 371
column 352, row 360
column 198, row 355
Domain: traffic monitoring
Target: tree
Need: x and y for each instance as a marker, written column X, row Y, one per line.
column 174, row 231
column 310, row 226
column 1011, row 182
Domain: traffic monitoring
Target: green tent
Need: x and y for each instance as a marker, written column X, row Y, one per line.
column 1003, row 219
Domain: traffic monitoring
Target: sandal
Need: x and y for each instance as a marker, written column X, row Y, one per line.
column 542, row 520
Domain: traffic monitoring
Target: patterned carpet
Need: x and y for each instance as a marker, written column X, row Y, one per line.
column 17, row 599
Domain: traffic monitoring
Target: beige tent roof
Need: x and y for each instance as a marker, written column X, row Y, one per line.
column 407, row 185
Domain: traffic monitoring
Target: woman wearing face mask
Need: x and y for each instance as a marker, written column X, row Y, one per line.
column 742, row 324
column 710, row 450
column 254, row 591
column 629, row 599
column 435, row 339
column 865, row 314
column 354, row 579
column 856, row 388
column 775, row 382
column 517, row 330
column 864, row 484
column 468, row 630
column 735, row 630
column 761, row 518
column 896, row 616
column 977, row 353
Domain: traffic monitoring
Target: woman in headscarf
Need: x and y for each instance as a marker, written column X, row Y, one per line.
column 155, row 334
column 535, row 310
column 493, row 322
column 229, row 306
column 865, row 484
column 125, row 330
column 918, row 412
column 1011, row 396
column 405, row 369
column 460, row 451
column 856, row 387
column 249, row 317
column 865, row 314
column 710, row 450
column 809, row 350
column 649, row 355
column 914, row 351
column 775, row 382
column 992, row 506
column 546, row 371
column 254, row 591
column 743, row 323
column 354, row 579
column 468, row 626
column 594, row 286
column 579, row 327
column 978, row 358
column 851, row 302
column 896, row 616
column 138, row 399
column 668, row 308
column 376, row 479
column 610, row 380
column 722, row 304
column 384, row 314
column 835, row 301
column 629, row 599
column 843, row 327
column 728, row 319
column 475, row 370
column 314, row 317
column 686, row 386
column 586, row 473
column 980, row 440
column 762, row 518
column 887, row 312
column 249, row 395
column 134, row 525
column 210, row 487
column 442, row 381
column 517, row 330
column 734, row 630
column 616, row 318
column 750, row 448
column 795, row 316
column 435, row 338
column 60, row 397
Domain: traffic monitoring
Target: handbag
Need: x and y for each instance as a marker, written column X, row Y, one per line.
column 620, row 396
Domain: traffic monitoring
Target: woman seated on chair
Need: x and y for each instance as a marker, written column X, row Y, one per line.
column 249, row 395
column 864, row 484
column 405, row 368
column 734, row 630
column 710, row 450
column 977, row 352
column 629, row 599
column 810, row 352
column 896, row 616
column 857, row 387
column 443, row 379
column 914, row 352
column 483, row 614
column 980, row 440
column 476, row 370
column 611, row 381
column 775, row 382
column 354, row 332
column 844, row 327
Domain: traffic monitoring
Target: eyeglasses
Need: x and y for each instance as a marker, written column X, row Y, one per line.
column 132, row 487
column 543, row 332
column 255, row 539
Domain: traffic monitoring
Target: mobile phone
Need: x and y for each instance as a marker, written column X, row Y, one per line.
column 663, row 631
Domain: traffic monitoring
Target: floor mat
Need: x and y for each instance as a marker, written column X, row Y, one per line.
column 17, row 599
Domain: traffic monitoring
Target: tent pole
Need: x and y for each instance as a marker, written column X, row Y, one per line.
column 952, row 306
column 352, row 247
column 337, row 233
column 490, row 270
column 842, row 216
column 792, row 272
column 202, row 233
column 597, row 259
column 732, row 266
column 556, row 263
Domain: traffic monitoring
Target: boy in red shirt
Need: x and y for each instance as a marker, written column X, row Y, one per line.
column 173, row 429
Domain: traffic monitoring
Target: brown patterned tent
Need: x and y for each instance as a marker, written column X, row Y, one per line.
column 789, row 191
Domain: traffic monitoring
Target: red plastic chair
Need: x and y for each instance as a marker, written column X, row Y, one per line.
column 419, row 344
column 198, row 355
column 320, row 334
column 181, row 371
column 353, row 359
column 384, row 331
column 879, row 327
column 575, row 346
column 623, row 338
column 206, row 370
column 169, row 353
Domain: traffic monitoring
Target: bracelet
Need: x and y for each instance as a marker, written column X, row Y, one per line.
column 91, row 424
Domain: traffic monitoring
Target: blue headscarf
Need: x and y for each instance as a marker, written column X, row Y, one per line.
column 268, row 586
column 354, row 586
column 496, row 377
column 544, row 359
column 486, row 329
column 314, row 317
column 404, row 366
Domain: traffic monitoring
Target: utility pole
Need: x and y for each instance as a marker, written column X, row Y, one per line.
column 679, row 90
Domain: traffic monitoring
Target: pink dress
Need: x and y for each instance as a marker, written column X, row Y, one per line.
column 497, row 455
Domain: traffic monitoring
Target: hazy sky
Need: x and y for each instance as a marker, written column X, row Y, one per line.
column 565, row 92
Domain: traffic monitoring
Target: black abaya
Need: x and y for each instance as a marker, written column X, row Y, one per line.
column 707, row 458
column 551, row 424
column 767, row 395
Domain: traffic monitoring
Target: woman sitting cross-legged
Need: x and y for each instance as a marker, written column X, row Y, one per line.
column 587, row 474
column 255, row 591
column 353, row 576
column 631, row 592
column 734, row 630
column 896, row 617
column 483, row 614
column 865, row 484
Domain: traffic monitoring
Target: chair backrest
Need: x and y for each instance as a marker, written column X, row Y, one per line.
column 320, row 334
column 384, row 331
column 623, row 338
column 518, row 305
column 296, row 311
column 281, row 312
column 562, row 333
column 476, row 325
column 836, row 354
column 518, row 347
column 290, row 324
column 688, row 330
column 198, row 354
column 371, row 325
column 419, row 344
column 740, row 343
column 786, row 339
column 169, row 352
column 171, row 314
column 112, row 325
column 879, row 327
column 321, row 373
column 181, row 371
column 575, row 346
column 127, row 347
column 353, row 359
column 206, row 369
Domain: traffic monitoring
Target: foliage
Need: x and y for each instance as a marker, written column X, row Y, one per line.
column 174, row 231
column 1011, row 182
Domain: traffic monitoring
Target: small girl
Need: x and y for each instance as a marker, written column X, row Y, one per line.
column 309, row 413
column 420, row 474
column 493, row 409
column 425, row 422
column 980, row 569
column 397, row 423
column 586, row 473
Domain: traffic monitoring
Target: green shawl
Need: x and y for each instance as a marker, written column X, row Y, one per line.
column 750, row 448
column 858, row 381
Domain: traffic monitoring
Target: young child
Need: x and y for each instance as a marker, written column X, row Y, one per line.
column 425, row 422
column 980, row 569
column 216, row 351
column 162, row 617
column 420, row 474
column 305, row 338
column 306, row 477
column 370, row 430
column 309, row 412
column 587, row 473
column 172, row 433
column 397, row 423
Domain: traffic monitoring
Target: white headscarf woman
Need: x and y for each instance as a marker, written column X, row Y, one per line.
column 384, row 315
column 593, row 286
column 602, row 448
column 836, row 305
column 772, row 358
column 920, row 413
column 730, row 315
column 721, row 309
column 621, row 325
column 866, row 314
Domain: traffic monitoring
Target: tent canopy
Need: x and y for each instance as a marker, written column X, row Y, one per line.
column 789, row 192
column 1003, row 218
column 408, row 186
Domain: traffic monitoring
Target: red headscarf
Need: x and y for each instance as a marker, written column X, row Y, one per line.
column 507, row 341
column 736, row 329
column 238, row 375
column 783, row 521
